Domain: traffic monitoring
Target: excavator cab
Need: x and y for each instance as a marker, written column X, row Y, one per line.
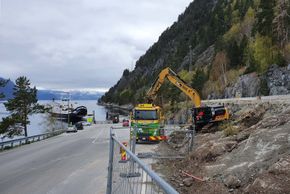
column 209, row 114
column 202, row 116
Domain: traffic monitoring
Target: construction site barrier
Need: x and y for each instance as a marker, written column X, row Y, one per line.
column 127, row 174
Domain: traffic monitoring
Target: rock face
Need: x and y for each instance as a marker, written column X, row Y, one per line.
column 247, row 86
column 205, row 58
column 278, row 80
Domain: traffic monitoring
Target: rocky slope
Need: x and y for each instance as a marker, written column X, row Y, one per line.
column 253, row 158
column 277, row 82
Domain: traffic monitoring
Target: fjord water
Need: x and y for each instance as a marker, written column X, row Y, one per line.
column 39, row 122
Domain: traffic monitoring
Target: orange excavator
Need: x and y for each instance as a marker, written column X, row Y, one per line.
column 202, row 115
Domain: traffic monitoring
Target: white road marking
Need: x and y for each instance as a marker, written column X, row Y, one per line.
column 97, row 137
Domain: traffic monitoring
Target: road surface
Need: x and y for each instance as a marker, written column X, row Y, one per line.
column 73, row 163
column 68, row 163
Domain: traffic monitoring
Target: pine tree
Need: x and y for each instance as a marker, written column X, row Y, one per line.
column 281, row 23
column 265, row 17
column 235, row 54
column 23, row 104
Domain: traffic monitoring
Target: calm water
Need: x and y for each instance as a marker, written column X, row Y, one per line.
column 39, row 123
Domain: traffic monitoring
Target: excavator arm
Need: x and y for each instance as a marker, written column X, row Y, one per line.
column 175, row 80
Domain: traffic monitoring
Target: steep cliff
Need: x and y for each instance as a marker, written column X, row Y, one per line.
column 211, row 45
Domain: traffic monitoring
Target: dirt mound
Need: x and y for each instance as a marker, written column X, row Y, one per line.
column 251, row 117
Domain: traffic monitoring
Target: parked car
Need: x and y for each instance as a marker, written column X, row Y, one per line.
column 125, row 123
column 71, row 128
column 114, row 117
column 79, row 126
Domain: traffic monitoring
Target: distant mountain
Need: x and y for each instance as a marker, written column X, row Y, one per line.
column 50, row 94
column 74, row 95
column 7, row 90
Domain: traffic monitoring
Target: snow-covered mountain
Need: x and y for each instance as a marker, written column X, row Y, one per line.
column 74, row 95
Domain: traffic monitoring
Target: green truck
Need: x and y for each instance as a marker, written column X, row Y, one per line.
column 148, row 122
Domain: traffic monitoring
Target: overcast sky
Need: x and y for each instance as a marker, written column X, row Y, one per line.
column 79, row 44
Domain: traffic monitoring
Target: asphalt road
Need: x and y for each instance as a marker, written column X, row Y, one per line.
column 68, row 163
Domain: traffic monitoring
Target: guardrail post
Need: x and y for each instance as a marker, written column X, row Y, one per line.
column 110, row 167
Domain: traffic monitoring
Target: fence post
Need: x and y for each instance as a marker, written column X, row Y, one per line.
column 110, row 167
column 134, row 139
column 133, row 149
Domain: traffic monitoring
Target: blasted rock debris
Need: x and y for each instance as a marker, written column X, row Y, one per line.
column 254, row 159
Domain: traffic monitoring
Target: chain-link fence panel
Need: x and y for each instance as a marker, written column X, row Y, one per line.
column 127, row 174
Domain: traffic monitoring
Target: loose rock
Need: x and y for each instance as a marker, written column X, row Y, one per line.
column 188, row 181
column 232, row 182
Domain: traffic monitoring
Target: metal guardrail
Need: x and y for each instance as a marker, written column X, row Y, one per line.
column 271, row 99
column 21, row 141
column 127, row 174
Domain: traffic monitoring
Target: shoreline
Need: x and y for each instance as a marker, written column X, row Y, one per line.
column 114, row 107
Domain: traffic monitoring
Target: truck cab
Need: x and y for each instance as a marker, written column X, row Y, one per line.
column 147, row 119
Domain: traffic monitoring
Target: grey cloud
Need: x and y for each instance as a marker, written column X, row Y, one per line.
column 77, row 44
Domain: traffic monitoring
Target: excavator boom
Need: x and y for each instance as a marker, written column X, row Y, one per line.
column 175, row 80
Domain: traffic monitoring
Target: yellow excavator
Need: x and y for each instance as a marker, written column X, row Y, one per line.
column 202, row 115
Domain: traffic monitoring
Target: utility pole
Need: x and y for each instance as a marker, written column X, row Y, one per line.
column 189, row 69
